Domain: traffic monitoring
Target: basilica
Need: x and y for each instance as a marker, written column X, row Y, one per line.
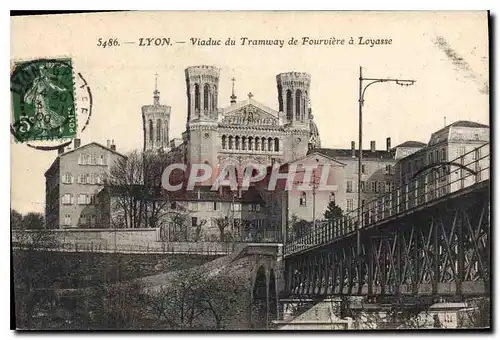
column 239, row 133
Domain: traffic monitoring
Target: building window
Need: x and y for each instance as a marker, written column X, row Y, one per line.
column 205, row 96
column 67, row 199
column 68, row 178
column 257, row 207
column 82, row 199
column 84, row 219
column 67, row 220
column 303, row 199
column 224, row 142
column 298, row 100
column 173, row 205
column 151, row 131
column 86, row 179
column 92, row 220
column 276, row 144
column 289, row 105
column 193, row 206
column 332, row 197
column 443, row 155
column 101, row 160
column 374, row 186
column 349, row 186
column 237, row 143
column 194, row 221
column 363, row 169
column 158, row 130
column 388, row 169
column 387, row 186
column 237, row 207
column 350, row 204
column 250, row 143
column 92, row 199
column 363, row 185
column 93, row 159
column 379, row 186
column 196, row 97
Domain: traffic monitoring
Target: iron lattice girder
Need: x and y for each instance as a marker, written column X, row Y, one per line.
column 443, row 249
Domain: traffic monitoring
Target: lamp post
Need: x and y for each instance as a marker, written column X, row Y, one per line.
column 361, row 100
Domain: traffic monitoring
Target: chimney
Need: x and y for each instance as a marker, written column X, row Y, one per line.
column 77, row 143
column 388, row 144
column 372, row 146
column 108, row 144
column 353, row 148
column 113, row 146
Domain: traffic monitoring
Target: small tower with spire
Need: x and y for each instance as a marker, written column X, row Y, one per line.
column 233, row 96
column 156, row 122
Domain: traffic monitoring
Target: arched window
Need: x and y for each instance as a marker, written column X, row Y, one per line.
column 244, row 143
column 214, row 97
column 269, row 144
column 263, row 144
column 303, row 199
column 257, row 143
column 151, row 130
column 230, row 146
column 332, row 197
column 165, row 132
column 158, row 130
column 289, row 107
column 224, row 141
column 250, row 143
column 205, row 96
column 276, row 144
column 236, row 143
column 298, row 102
column 196, row 97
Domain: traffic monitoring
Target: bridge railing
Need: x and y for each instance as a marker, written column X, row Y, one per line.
column 435, row 182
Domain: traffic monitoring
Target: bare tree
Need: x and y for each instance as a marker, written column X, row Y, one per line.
column 222, row 223
column 200, row 298
column 134, row 184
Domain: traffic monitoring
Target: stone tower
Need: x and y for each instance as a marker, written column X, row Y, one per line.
column 202, row 97
column 155, row 122
column 293, row 101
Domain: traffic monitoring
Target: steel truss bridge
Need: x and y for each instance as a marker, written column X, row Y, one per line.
column 428, row 237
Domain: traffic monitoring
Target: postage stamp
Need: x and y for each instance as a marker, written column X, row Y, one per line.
column 43, row 100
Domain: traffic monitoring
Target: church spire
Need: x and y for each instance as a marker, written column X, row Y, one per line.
column 233, row 96
column 156, row 93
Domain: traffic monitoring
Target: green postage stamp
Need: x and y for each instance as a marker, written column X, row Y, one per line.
column 43, row 100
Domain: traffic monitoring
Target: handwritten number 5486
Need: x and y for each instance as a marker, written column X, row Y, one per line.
column 111, row 42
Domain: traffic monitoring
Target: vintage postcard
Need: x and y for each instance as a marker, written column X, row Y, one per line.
column 250, row 170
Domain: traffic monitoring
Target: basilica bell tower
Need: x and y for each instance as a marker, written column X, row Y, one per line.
column 156, row 123
column 202, row 119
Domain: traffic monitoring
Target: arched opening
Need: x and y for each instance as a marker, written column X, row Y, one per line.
column 224, row 142
column 257, row 143
column 263, row 144
column 214, row 98
column 158, row 130
column 250, row 143
column 259, row 306
column 230, row 146
column 289, row 106
column 151, row 130
column 243, row 143
column 206, row 91
column 276, row 144
column 270, row 144
column 273, row 299
column 237, row 143
column 298, row 102
column 165, row 132
column 197, row 97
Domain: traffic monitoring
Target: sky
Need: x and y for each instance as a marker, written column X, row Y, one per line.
column 445, row 52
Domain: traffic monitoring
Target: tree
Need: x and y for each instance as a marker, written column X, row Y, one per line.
column 32, row 272
column 222, row 223
column 333, row 212
column 133, row 183
column 16, row 220
column 199, row 298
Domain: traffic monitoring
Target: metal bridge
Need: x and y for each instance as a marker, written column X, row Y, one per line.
column 429, row 237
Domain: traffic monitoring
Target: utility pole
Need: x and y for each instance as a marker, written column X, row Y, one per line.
column 361, row 100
